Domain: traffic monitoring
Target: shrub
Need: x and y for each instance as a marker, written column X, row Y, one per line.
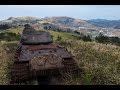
column 86, row 38
column 8, row 36
column 59, row 38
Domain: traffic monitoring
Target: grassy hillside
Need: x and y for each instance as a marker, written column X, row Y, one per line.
column 7, row 50
column 63, row 35
column 55, row 34
column 100, row 63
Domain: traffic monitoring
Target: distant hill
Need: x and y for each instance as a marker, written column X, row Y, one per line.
column 20, row 20
column 69, row 22
column 64, row 23
column 105, row 23
column 54, row 22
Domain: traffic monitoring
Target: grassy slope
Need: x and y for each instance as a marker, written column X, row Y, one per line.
column 15, row 30
column 100, row 63
column 63, row 35
column 7, row 50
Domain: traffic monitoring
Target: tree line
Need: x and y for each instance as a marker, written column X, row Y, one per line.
column 100, row 38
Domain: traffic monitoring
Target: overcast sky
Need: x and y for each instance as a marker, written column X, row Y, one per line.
column 111, row 12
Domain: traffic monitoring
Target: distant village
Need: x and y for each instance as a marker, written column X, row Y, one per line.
column 96, row 31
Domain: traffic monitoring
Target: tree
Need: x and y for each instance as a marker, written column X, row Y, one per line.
column 86, row 38
column 76, row 32
column 4, row 26
column 101, row 38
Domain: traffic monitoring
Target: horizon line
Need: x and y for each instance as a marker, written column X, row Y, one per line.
column 55, row 16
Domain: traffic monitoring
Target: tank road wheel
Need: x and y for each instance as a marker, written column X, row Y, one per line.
column 70, row 66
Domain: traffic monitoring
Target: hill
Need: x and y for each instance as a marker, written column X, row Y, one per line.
column 105, row 23
column 54, row 22
column 66, row 24
column 69, row 22
column 20, row 20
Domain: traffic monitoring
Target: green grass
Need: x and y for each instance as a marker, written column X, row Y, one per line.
column 15, row 30
column 63, row 35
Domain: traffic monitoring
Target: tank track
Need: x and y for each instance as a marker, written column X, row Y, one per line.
column 19, row 71
column 70, row 66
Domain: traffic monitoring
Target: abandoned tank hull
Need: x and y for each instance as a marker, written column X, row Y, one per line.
column 36, row 57
column 52, row 59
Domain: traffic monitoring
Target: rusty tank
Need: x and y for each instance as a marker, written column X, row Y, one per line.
column 36, row 55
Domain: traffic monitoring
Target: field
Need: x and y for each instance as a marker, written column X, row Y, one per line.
column 117, row 33
column 100, row 63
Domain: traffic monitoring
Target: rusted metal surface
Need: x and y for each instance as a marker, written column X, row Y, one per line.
column 37, row 47
column 46, row 61
column 30, row 51
column 40, row 60
column 36, row 38
column 20, row 72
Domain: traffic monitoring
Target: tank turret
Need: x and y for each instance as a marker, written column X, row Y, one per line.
column 31, row 36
